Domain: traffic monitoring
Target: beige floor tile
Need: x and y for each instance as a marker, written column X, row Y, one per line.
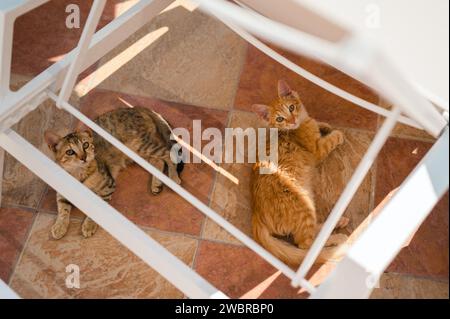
column 336, row 171
column 196, row 60
column 229, row 199
column 394, row 286
column 107, row 269
column 234, row 201
column 21, row 186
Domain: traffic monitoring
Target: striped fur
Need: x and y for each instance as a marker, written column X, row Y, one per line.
column 96, row 163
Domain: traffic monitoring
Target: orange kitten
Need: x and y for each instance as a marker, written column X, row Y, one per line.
column 283, row 203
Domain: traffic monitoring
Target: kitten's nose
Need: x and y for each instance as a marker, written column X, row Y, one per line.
column 83, row 158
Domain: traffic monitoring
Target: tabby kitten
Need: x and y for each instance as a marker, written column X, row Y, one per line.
column 283, row 203
column 96, row 163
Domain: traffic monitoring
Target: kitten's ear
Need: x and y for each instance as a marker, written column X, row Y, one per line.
column 262, row 110
column 81, row 127
column 285, row 90
column 52, row 140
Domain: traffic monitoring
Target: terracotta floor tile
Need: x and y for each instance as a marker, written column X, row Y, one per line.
column 14, row 227
column 395, row 286
column 180, row 56
column 258, row 84
column 107, row 269
column 21, row 186
column 234, row 201
column 239, row 272
column 166, row 211
column 41, row 36
column 396, row 160
column 403, row 130
column 249, row 276
column 427, row 253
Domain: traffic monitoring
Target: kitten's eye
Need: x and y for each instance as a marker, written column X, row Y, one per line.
column 85, row 145
column 280, row 119
column 291, row 107
column 70, row 152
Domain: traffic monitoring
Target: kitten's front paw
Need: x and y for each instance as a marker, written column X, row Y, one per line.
column 156, row 189
column 324, row 128
column 88, row 228
column 59, row 229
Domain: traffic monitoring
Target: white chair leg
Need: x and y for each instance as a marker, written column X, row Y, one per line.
column 2, row 160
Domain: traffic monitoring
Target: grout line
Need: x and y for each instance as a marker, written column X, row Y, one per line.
column 149, row 228
column 210, row 195
column 414, row 138
column 194, row 257
column 49, row 211
column 241, row 70
column 25, row 244
column 373, row 183
column 172, row 233
column 40, row 201
column 222, row 242
column 17, row 206
column 55, row 214
column 153, row 229
column 167, row 232
column 373, row 179
column 423, row 277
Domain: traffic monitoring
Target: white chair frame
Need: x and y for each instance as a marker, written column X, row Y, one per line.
column 366, row 259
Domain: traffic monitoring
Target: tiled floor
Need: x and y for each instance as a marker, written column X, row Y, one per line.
column 189, row 66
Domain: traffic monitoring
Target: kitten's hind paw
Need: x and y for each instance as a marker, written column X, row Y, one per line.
column 338, row 136
column 88, row 228
column 336, row 239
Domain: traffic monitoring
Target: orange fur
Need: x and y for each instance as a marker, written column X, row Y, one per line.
column 283, row 202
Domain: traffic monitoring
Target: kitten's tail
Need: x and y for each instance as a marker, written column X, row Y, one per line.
column 290, row 254
column 180, row 167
